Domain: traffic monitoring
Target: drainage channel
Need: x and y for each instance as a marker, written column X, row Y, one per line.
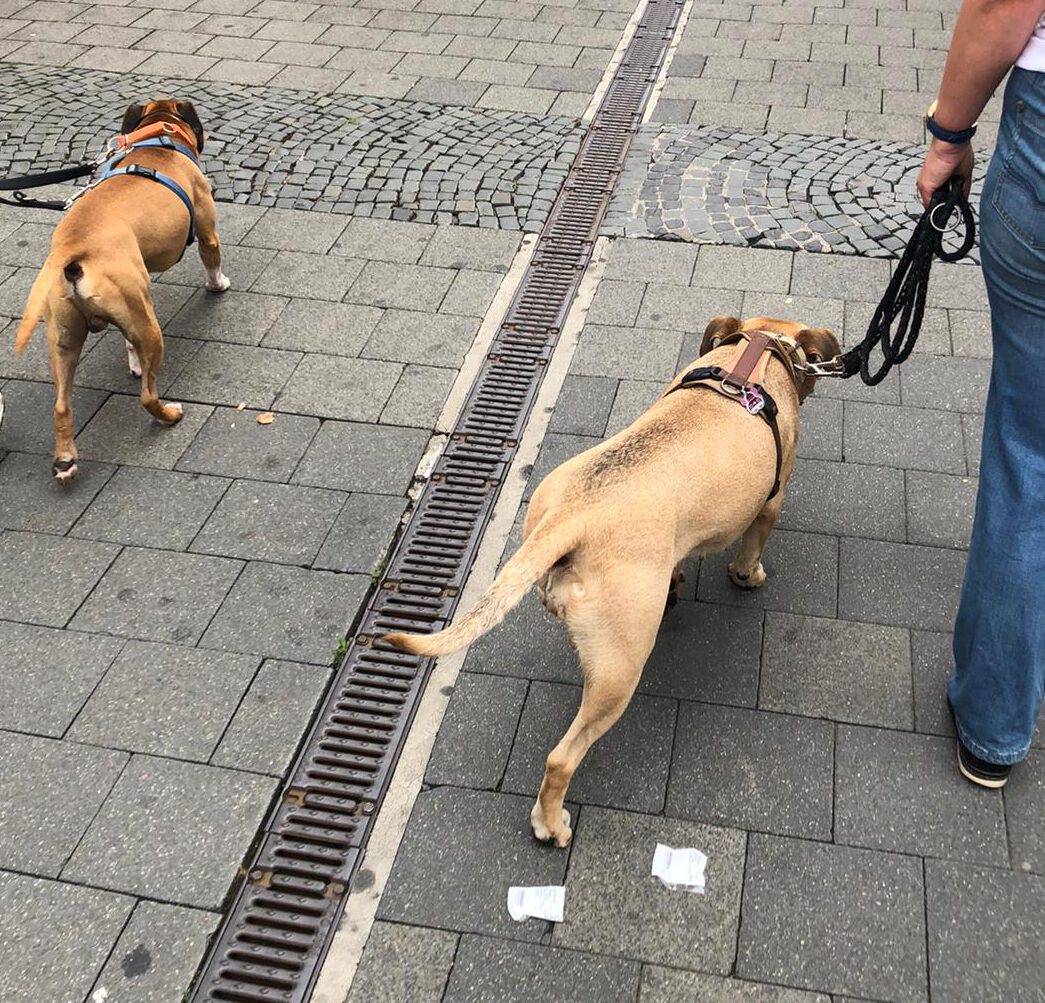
column 276, row 933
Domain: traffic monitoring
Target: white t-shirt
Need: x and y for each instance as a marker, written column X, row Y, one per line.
column 1033, row 57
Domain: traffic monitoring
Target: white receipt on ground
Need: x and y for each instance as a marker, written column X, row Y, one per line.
column 682, row 868
column 540, row 902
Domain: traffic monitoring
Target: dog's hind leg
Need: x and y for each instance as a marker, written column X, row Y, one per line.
column 142, row 331
column 66, row 332
column 746, row 570
column 614, row 635
column 210, row 246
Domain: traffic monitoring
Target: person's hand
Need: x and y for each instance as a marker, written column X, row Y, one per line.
column 942, row 162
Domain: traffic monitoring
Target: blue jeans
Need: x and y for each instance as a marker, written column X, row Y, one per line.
column 999, row 635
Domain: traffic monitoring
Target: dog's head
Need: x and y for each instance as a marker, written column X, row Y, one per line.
column 164, row 110
column 817, row 343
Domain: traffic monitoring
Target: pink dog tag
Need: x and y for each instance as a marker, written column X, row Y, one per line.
column 752, row 399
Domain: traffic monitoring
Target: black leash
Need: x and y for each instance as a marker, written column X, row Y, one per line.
column 39, row 181
column 903, row 304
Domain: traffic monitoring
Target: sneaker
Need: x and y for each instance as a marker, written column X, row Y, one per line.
column 979, row 771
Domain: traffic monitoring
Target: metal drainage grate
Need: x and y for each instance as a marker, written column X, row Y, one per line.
column 276, row 933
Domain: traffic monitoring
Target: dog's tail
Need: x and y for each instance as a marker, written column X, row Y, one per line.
column 34, row 307
column 549, row 541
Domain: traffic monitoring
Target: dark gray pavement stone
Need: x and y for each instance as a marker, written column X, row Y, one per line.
column 29, row 416
column 753, row 770
column 900, row 584
column 47, row 675
column 165, row 699
column 384, row 240
column 49, row 792
column 232, row 444
column 583, row 407
column 409, row 336
column 934, row 336
column 105, row 366
column 667, row 985
column 403, row 962
column 503, row 971
column 908, row 437
column 460, row 853
column 229, row 374
column 128, row 846
column 986, row 928
column 614, row 906
column 295, row 230
column 320, row 326
column 350, row 456
column 123, row 432
column 617, row 303
column 400, row 286
column 651, row 261
column 947, row 384
column 54, row 575
column 932, row 664
column 1025, row 813
column 845, row 499
column 863, row 911
column 143, row 507
column 36, row 964
column 802, row 570
column 686, row 308
column 269, row 723
column 903, row 792
column 463, row 247
column 157, row 953
column 333, row 387
column 284, row 612
column 706, row 652
column 652, row 353
column 838, row 670
column 35, row 501
column 418, row 398
column 745, row 268
column 972, row 426
column 236, row 317
column 940, row 509
column 294, row 273
column 556, row 449
column 158, row 595
column 477, row 732
column 634, row 397
column 842, row 278
column 627, row 768
column 820, row 433
column 361, row 534
column 252, row 521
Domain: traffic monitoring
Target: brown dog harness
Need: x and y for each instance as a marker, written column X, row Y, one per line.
column 743, row 382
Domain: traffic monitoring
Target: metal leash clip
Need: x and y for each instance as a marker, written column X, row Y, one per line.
column 831, row 367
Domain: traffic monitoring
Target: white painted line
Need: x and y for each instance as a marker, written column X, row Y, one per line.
column 341, row 962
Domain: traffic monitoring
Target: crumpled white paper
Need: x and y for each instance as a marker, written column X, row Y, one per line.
column 538, row 902
column 680, row 869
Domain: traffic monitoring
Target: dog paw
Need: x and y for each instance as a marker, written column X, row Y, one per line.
column 753, row 580
column 218, row 283
column 173, row 413
column 542, row 833
column 64, row 469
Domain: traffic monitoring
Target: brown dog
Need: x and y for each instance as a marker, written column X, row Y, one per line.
column 103, row 251
column 606, row 531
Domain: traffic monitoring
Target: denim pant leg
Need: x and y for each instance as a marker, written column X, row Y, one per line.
column 999, row 637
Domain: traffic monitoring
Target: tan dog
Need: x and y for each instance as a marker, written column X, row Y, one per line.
column 606, row 531
column 102, row 253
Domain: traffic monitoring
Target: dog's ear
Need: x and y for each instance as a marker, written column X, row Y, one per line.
column 131, row 117
column 187, row 111
column 717, row 329
column 819, row 344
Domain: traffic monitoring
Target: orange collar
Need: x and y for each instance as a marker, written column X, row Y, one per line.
column 173, row 130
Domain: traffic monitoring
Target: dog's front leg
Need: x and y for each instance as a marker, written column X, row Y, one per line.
column 747, row 571
column 210, row 246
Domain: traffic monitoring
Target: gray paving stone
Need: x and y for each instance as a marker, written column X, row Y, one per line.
column 863, row 910
column 979, row 913
column 287, row 613
column 503, row 97
column 908, row 437
column 37, row 965
column 666, row 985
column 460, row 853
column 242, row 264
column 903, row 792
column 706, row 652
column 155, row 797
column 105, row 366
column 958, row 287
column 230, row 374
column 837, row 670
column 744, row 268
column 972, row 426
column 408, row 335
column 813, row 311
column 157, row 953
column 463, row 247
column 401, row 286
column 932, row 663
column 384, row 240
column 295, row 273
column 634, row 398
column 361, row 534
column 47, row 675
column 471, row 293
column 267, row 727
column 686, row 308
column 802, row 570
column 42, row 596
column 614, row 906
column 294, row 229
column 49, row 792
column 35, row 501
column 820, row 434
column 349, row 456
column 627, row 768
column 252, row 521
column 333, row 387
column 970, row 333
column 845, row 499
column 419, row 396
column 840, row 277
column 165, row 699
column 940, row 509
column 753, row 770
column 318, row 326
column 123, row 432
column 233, row 444
column 618, row 303
column 403, row 962
column 651, row 261
column 235, row 220
column 948, row 384
column 642, row 353
column 29, row 416
column 583, row 407
column 240, row 318
column 477, row 732
column 934, row 337
column 458, row 92
column 555, row 450
column 1025, row 813
column 901, row 584
column 150, row 508
column 157, row 595
column 488, row 971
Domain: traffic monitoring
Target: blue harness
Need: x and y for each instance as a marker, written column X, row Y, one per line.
column 110, row 170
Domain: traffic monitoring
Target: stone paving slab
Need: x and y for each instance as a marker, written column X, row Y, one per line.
column 404, row 962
